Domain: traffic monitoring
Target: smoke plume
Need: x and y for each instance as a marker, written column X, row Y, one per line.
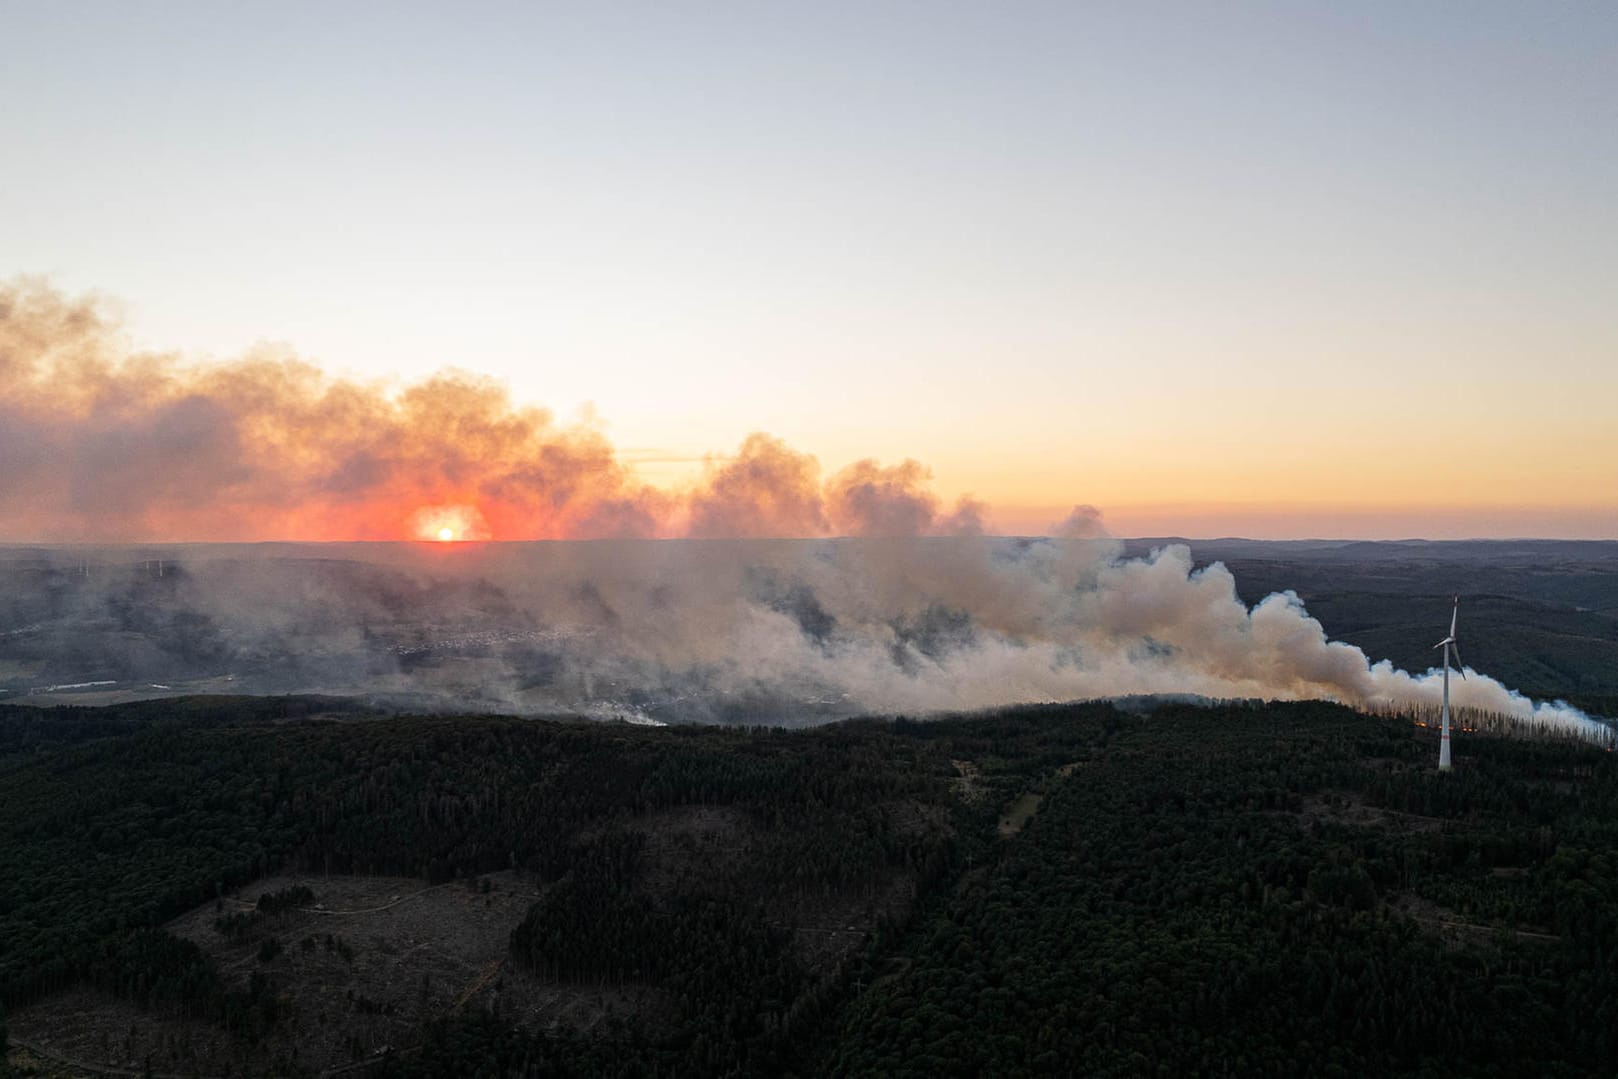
column 102, row 443
column 757, row 631
column 913, row 609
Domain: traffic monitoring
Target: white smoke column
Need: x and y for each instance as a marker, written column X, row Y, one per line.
column 1049, row 620
column 918, row 624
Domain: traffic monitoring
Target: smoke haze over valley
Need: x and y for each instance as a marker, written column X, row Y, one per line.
column 740, row 631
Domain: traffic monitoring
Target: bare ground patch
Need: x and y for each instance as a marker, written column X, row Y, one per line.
column 359, row 968
column 1350, row 807
column 968, row 781
column 357, row 971
column 1454, row 926
column 1019, row 813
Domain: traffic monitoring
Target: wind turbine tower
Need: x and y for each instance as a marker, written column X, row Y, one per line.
column 1448, row 645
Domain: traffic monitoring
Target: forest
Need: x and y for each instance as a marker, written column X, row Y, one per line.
column 1262, row 889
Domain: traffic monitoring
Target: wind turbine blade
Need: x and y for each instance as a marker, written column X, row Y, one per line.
column 1453, row 614
column 1443, row 642
column 1458, row 666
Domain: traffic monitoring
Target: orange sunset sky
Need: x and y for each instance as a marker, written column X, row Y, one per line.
column 1237, row 269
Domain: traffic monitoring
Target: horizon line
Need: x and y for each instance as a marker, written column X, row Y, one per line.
column 450, row 544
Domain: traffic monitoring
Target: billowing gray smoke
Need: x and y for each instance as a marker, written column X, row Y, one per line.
column 719, row 630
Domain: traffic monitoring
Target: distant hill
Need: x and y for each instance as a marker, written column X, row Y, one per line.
column 1498, row 552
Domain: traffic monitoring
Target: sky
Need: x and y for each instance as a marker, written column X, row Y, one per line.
column 1274, row 270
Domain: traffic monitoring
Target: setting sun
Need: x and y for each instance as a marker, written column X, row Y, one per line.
column 448, row 523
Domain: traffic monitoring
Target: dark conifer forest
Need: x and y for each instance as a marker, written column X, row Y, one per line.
column 1282, row 889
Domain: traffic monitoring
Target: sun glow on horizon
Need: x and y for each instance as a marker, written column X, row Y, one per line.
column 451, row 523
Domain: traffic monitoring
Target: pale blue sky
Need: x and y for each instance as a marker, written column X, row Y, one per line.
column 1135, row 254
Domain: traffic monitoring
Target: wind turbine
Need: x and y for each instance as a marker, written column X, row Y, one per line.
column 1448, row 645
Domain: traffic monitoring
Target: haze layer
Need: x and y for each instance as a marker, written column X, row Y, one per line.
column 729, row 630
